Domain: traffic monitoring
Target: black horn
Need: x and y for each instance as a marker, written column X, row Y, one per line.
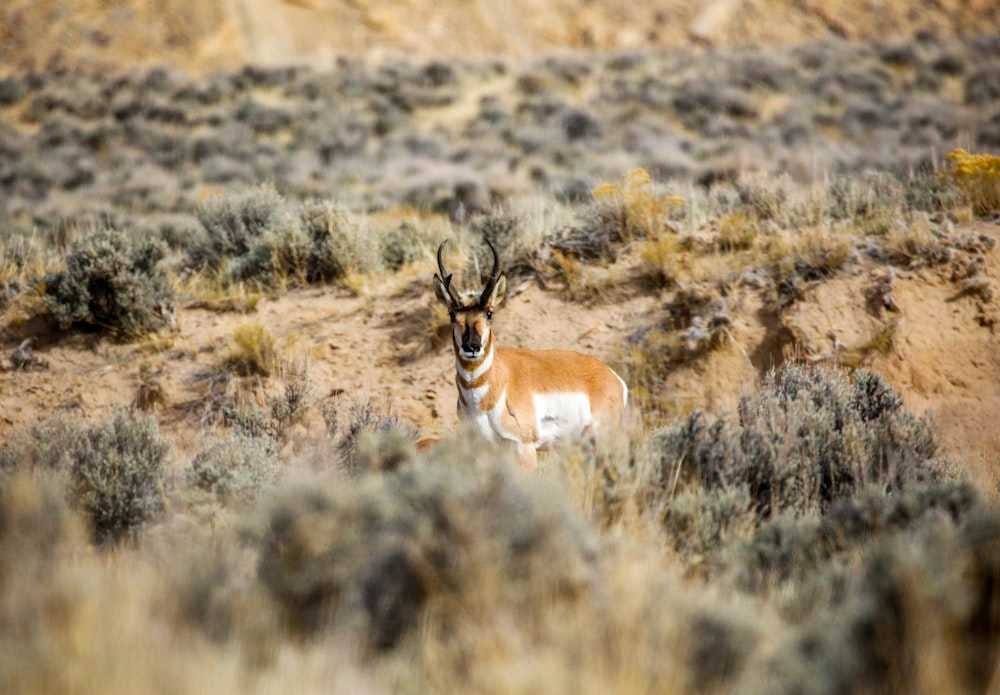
column 446, row 279
column 494, row 274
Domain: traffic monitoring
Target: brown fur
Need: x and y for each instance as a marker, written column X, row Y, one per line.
column 524, row 373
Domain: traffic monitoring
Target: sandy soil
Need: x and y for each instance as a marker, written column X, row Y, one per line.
column 205, row 37
column 944, row 356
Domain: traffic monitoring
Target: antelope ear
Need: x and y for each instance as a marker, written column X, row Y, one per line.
column 441, row 292
column 499, row 288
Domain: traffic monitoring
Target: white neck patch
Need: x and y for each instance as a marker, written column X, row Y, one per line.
column 483, row 367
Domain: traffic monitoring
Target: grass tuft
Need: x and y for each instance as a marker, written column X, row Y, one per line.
column 978, row 176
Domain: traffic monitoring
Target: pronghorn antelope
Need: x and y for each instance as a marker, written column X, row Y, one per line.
column 529, row 398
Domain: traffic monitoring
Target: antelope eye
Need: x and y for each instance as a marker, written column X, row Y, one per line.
column 489, row 315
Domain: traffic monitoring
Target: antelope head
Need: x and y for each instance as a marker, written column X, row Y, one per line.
column 471, row 316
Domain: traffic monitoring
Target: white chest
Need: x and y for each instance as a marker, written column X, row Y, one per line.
column 487, row 422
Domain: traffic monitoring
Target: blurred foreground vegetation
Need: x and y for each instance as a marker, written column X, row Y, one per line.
column 815, row 540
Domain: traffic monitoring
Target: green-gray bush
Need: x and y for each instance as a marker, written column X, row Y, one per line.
column 113, row 470
column 789, row 548
column 235, row 228
column 112, row 282
column 236, row 469
column 810, row 437
column 259, row 238
column 337, row 244
column 34, row 524
column 378, row 552
column 363, row 420
column 930, row 593
column 401, row 245
column 117, row 472
column 507, row 232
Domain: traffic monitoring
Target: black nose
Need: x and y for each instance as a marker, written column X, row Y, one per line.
column 471, row 341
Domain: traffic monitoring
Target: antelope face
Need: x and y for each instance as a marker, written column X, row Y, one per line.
column 471, row 331
column 471, row 317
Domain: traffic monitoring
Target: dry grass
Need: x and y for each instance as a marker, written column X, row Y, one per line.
column 24, row 258
column 586, row 282
column 202, row 291
column 978, row 175
column 636, row 206
column 253, row 351
column 824, row 250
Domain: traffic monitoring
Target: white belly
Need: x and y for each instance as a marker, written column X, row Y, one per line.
column 560, row 415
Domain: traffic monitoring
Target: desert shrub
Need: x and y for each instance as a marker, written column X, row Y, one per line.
column 507, row 230
column 810, row 552
column 250, row 421
column 721, row 642
column 620, row 213
column 978, row 176
column 912, row 599
column 665, row 260
column 113, row 470
column 116, row 469
column 37, row 533
column 871, row 201
column 235, row 228
column 262, row 118
column 338, row 245
column 22, row 256
column 810, row 437
column 767, row 197
column 257, row 237
column 577, row 124
column 237, row 469
column 112, row 282
column 703, row 522
column 237, row 395
column 44, row 447
column 930, row 193
column 363, row 420
column 982, row 87
column 401, row 245
column 762, row 70
column 422, row 543
column 296, row 397
column 909, row 243
column 736, row 232
column 178, row 231
column 12, row 90
column 698, row 101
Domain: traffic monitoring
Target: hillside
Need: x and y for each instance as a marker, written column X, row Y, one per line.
column 201, row 38
column 230, row 459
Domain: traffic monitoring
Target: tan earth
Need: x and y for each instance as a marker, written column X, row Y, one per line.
column 202, row 37
column 944, row 355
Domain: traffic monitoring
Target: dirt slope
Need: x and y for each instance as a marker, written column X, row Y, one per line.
column 205, row 37
column 942, row 356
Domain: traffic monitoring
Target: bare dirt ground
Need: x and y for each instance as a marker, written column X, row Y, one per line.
column 206, row 37
column 944, row 356
column 357, row 348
